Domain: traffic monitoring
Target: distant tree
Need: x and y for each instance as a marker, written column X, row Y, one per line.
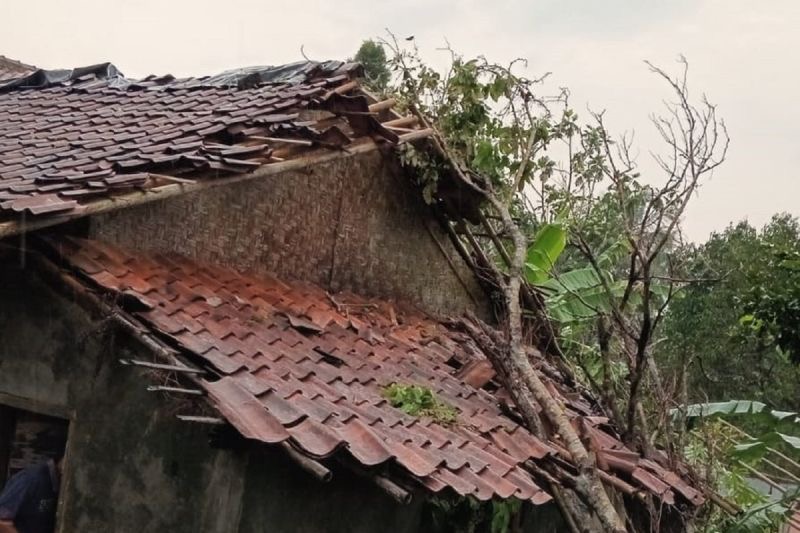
column 734, row 336
column 373, row 57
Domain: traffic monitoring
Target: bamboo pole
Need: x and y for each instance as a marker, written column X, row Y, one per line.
column 212, row 420
column 175, row 390
column 401, row 122
column 770, row 463
column 384, row 104
column 743, row 433
column 159, row 366
column 301, row 142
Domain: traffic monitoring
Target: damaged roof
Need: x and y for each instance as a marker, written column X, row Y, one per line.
column 291, row 363
column 11, row 69
column 72, row 138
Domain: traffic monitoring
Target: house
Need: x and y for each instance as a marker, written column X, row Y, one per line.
column 210, row 284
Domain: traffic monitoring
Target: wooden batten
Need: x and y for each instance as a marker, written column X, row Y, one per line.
column 382, row 105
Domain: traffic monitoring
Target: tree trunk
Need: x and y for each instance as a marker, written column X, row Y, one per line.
column 528, row 390
column 510, row 360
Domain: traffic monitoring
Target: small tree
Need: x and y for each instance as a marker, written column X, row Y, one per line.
column 372, row 57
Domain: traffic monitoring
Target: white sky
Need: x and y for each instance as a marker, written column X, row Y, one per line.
column 743, row 55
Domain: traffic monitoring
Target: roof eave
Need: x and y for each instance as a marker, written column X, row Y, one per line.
column 25, row 225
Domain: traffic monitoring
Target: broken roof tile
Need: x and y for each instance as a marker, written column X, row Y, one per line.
column 101, row 120
column 297, row 373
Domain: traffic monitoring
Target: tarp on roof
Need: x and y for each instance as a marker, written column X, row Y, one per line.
column 42, row 78
column 245, row 77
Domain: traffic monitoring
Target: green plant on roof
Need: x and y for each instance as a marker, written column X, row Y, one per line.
column 419, row 401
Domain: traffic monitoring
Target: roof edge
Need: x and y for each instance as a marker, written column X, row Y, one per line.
column 21, row 226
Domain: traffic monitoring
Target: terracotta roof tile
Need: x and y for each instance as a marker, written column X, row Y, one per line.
column 84, row 138
column 319, row 385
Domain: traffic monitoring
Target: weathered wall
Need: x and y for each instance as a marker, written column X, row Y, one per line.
column 355, row 223
column 131, row 465
column 278, row 499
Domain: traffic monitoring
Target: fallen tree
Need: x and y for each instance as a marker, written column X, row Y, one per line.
column 494, row 136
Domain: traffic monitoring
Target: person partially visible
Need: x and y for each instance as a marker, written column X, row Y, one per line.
column 28, row 501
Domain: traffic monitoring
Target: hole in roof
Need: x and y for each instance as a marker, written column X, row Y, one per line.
column 453, row 362
column 329, row 358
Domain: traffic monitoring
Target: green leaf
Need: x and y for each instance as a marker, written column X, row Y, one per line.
column 574, row 280
column 790, row 440
column 750, row 451
column 550, row 241
column 611, row 256
column 724, row 408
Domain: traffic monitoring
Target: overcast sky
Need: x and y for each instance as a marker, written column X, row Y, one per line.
column 743, row 55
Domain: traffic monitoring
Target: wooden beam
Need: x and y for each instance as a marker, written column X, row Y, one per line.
column 315, row 468
column 391, row 488
column 384, row 104
column 161, row 366
column 174, row 179
column 401, row 122
column 14, row 227
column 175, row 390
column 35, row 406
column 214, row 421
column 346, row 87
column 416, row 135
column 302, row 142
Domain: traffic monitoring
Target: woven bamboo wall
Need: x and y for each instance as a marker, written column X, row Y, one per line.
column 354, row 224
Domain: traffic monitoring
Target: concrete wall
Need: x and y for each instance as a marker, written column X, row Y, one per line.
column 356, row 223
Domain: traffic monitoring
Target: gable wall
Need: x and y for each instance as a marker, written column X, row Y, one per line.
column 355, row 224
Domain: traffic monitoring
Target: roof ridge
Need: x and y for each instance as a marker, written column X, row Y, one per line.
column 16, row 62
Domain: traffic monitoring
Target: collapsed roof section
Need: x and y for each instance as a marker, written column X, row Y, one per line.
column 72, row 140
column 289, row 364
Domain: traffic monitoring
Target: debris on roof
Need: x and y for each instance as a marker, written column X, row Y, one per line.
column 71, row 138
column 294, row 364
column 11, row 69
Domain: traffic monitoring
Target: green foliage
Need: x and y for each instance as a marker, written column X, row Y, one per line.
column 773, row 306
column 487, row 113
column 770, row 424
column 372, row 57
column 735, row 331
column 420, row 401
column 468, row 515
column 724, row 408
column 545, row 250
column 503, row 512
column 709, row 450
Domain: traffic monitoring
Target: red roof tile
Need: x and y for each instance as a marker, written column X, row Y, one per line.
column 293, row 366
column 70, row 140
